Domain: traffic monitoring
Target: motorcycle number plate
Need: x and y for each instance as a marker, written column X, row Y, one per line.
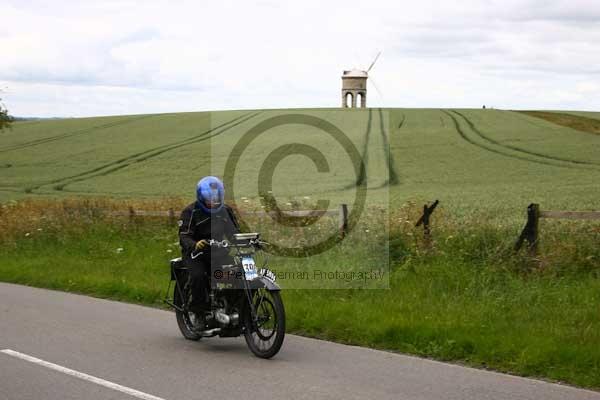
column 249, row 268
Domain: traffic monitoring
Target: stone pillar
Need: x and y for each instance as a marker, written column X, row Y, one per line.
column 352, row 101
column 354, row 82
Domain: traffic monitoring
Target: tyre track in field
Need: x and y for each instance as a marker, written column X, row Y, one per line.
column 503, row 153
column 11, row 189
column 392, row 175
column 122, row 163
column 78, row 132
column 519, row 149
column 360, row 180
column 126, row 159
column 401, row 124
column 392, row 178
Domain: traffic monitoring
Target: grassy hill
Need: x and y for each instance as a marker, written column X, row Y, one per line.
column 492, row 160
column 467, row 298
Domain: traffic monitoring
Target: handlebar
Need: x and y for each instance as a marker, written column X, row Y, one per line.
column 219, row 244
column 223, row 244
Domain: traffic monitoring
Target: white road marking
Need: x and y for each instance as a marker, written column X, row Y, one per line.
column 81, row 375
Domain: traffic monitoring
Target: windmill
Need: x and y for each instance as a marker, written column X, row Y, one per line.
column 354, row 86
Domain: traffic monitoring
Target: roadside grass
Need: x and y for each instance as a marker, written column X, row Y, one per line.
column 467, row 300
column 540, row 326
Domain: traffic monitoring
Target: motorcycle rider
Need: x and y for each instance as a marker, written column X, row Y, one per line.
column 205, row 219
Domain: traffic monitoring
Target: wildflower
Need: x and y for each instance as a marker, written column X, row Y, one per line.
column 39, row 229
column 120, row 250
column 306, row 197
column 169, row 251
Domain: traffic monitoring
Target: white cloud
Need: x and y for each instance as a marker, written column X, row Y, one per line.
column 120, row 57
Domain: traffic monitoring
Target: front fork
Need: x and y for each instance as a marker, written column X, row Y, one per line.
column 253, row 309
column 248, row 292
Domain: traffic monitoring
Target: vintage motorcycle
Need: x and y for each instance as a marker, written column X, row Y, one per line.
column 243, row 300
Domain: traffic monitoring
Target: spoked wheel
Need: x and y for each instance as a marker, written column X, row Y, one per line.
column 265, row 337
column 189, row 323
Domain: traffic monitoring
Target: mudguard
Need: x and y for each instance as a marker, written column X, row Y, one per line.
column 264, row 282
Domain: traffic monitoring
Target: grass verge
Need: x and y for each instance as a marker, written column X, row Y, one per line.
column 467, row 300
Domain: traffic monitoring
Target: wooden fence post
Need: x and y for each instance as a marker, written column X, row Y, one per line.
column 171, row 216
column 533, row 215
column 131, row 214
column 530, row 231
column 424, row 220
column 343, row 220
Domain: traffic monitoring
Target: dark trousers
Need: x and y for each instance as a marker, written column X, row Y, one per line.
column 199, row 271
column 200, row 274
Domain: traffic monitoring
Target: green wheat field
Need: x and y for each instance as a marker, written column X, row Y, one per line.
column 493, row 160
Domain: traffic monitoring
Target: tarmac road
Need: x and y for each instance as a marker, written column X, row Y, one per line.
column 55, row 345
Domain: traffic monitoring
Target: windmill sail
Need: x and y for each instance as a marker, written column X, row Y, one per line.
column 374, row 61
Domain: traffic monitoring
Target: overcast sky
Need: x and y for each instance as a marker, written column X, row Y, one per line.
column 86, row 58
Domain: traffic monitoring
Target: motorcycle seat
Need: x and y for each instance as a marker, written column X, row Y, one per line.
column 177, row 263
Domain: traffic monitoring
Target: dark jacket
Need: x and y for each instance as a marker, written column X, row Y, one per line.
column 196, row 225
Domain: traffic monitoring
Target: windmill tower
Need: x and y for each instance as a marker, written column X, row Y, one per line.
column 354, row 86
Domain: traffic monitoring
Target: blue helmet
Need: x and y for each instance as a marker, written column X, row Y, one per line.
column 211, row 194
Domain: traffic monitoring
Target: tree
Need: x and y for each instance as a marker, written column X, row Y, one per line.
column 5, row 118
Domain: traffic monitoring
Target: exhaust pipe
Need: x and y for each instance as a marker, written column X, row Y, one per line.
column 210, row 332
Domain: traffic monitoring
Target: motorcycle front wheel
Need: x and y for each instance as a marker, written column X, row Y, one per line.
column 265, row 335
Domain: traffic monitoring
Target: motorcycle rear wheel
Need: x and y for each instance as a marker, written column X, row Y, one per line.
column 186, row 320
column 265, row 338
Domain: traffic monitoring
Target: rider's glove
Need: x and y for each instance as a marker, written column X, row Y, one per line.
column 201, row 244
